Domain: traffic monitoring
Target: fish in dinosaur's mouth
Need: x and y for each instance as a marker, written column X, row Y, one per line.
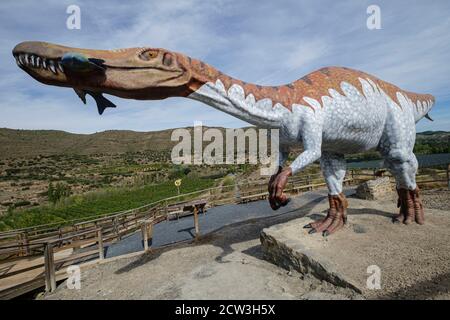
column 135, row 73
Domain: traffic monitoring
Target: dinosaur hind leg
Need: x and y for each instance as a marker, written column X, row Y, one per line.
column 396, row 146
column 404, row 169
column 333, row 168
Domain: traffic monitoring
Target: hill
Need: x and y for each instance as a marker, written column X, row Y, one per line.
column 430, row 142
column 29, row 143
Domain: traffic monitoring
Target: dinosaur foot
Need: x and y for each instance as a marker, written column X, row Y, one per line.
column 335, row 219
column 411, row 207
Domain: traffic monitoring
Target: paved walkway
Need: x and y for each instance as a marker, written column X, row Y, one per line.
column 183, row 229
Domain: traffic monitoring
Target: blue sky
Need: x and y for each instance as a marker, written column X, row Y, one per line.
column 267, row 42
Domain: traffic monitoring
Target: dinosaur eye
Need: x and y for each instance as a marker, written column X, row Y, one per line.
column 149, row 54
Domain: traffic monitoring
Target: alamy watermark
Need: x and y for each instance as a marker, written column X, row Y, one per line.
column 374, row 20
column 193, row 151
column 73, row 277
column 374, row 280
column 73, row 21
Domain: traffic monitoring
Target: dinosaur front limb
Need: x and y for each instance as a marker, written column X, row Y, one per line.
column 311, row 134
column 277, row 183
column 335, row 219
column 411, row 207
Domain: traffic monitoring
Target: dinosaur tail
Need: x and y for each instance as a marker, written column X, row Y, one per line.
column 422, row 104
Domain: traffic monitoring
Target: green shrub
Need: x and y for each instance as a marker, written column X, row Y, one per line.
column 228, row 180
column 22, row 203
column 100, row 202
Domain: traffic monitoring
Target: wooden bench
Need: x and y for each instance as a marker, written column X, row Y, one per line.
column 183, row 209
column 253, row 197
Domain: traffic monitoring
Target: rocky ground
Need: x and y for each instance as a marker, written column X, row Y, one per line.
column 436, row 199
column 227, row 264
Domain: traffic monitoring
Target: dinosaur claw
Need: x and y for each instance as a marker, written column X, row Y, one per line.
column 308, row 226
column 286, row 202
column 326, row 233
column 312, row 231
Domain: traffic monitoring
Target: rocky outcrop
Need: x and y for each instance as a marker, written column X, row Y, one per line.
column 366, row 255
column 378, row 189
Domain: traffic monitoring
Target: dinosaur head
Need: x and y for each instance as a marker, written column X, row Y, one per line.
column 135, row 73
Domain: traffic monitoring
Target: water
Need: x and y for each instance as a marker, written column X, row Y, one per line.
column 425, row 160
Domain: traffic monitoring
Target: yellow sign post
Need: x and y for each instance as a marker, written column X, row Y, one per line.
column 178, row 184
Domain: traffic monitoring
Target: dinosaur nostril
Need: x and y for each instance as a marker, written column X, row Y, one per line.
column 167, row 59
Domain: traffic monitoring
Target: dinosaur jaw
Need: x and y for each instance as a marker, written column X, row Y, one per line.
column 135, row 73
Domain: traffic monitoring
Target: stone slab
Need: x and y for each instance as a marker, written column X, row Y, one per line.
column 412, row 259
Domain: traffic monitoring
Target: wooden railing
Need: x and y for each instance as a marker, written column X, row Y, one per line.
column 49, row 248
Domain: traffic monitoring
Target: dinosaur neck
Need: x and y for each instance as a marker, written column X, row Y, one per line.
column 259, row 105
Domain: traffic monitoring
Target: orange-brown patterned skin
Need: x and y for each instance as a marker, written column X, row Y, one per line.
column 314, row 85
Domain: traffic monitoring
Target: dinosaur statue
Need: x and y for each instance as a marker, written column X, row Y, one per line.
column 330, row 112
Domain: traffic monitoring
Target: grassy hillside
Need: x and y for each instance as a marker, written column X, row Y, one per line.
column 31, row 143
column 430, row 142
column 97, row 203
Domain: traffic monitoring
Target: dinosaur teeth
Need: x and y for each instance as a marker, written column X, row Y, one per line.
column 34, row 61
column 52, row 67
column 60, row 67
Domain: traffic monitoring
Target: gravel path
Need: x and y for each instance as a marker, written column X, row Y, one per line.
column 436, row 199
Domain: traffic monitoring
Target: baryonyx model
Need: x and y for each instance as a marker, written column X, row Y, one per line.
column 330, row 112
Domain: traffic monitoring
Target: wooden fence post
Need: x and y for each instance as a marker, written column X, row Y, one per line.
column 197, row 229
column 116, row 228
column 20, row 241
column 49, row 262
column 150, row 233
column 448, row 176
column 144, row 235
column 76, row 238
column 26, row 243
column 166, row 210
column 101, row 252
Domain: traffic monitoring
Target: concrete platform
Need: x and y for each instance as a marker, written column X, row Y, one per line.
column 414, row 261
